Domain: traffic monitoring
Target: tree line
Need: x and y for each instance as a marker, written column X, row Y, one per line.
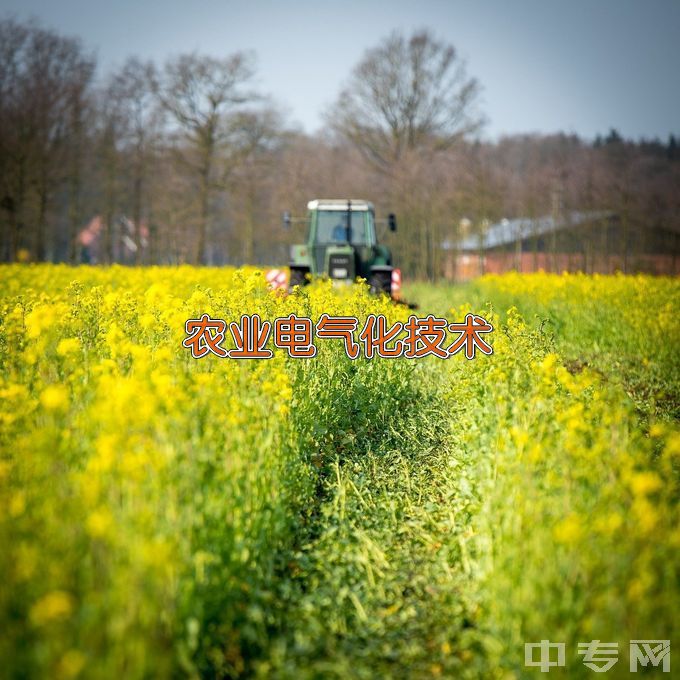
column 186, row 161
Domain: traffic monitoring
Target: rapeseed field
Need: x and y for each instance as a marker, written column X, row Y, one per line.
column 165, row 516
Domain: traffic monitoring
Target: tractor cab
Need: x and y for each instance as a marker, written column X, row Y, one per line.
column 342, row 244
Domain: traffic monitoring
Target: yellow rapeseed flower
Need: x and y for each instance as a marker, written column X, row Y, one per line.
column 100, row 522
column 68, row 346
column 54, row 398
column 71, row 664
column 643, row 483
column 55, row 605
column 569, row 530
column 17, row 504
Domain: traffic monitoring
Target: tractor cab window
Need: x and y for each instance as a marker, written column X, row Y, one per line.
column 331, row 227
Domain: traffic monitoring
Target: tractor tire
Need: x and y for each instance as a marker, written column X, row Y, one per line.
column 380, row 283
column 298, row 277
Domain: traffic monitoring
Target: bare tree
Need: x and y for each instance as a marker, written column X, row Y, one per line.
column 14, row 134
column 259, row 137
column 131, row 92
column 44, row 81
column 404, row 95
column 108, row 165
column 408, row 100
column 80, row 111
column 202, row 94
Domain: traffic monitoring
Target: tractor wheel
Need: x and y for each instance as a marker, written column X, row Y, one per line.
column 298, row 277
column 380, row 282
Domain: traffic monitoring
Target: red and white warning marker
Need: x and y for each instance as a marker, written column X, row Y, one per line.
column 396, row 284
column 276, row 279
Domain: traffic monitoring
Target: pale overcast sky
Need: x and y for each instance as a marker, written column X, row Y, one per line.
column 578, row 66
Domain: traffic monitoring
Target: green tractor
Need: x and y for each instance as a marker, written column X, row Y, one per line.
column 342, row 245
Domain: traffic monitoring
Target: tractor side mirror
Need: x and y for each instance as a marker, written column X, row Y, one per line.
column 392, row 222
column 286, row 219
